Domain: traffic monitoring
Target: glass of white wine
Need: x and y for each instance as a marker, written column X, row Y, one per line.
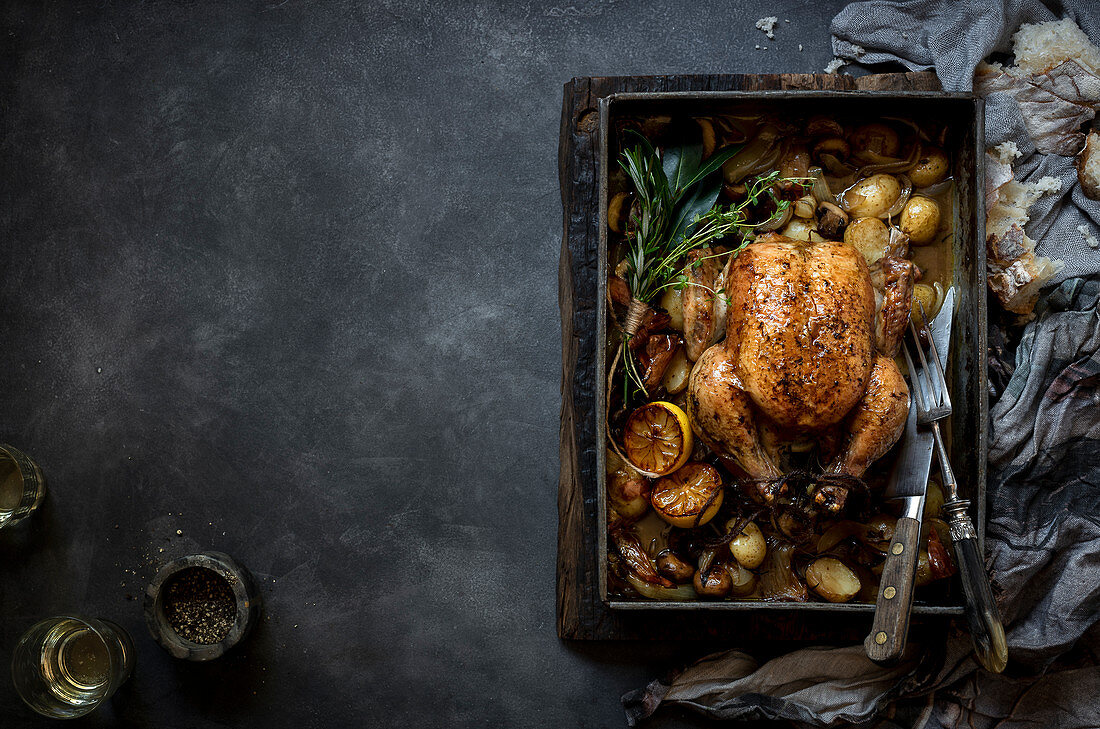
column 65, row 667
column 21, row 485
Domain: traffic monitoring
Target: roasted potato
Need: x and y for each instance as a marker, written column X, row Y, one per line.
column 801, row 229
column 933, row 501
column 749, row 547
column 628, row 494
column 920, row 219
column 869, row 236
column 931, row 168
column 872, row 196
column 832, row 579
column 923, row 296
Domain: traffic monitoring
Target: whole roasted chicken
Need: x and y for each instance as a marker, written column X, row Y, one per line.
column 806, row 362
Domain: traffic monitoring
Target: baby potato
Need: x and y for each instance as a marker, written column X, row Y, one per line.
column 801, row 229
column 920, row 219
column 931, row 167
column 923, row 295
column 628, row 494
column 872, row 196
column 676, row 376
column 877, row 138
column 933, row 501
column 832, row 579
column 869, row 236
column 672, row 301
column 924, row 570
column 749, row 547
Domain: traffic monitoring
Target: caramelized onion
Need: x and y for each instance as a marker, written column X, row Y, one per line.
column 804, row 207
column 820, row 190
column 758, row 155
column 836, row 167
column 657, row 592
column 937, row 189
column 777, row 222
column 779, row 583
column 903, row 197
column 890, row 165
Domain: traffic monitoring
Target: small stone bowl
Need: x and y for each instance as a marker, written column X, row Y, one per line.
column 244, row 589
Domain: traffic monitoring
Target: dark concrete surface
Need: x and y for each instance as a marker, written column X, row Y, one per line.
column 279, row 279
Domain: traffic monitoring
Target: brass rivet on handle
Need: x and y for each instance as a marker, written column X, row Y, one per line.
column 889, row 593
column 898, row 548
column 880, row 637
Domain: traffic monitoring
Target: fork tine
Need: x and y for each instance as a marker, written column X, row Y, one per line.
column 918, row 386
column 945, row 397
column 933, row 396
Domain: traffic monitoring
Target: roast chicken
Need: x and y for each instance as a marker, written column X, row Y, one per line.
column 807, row 357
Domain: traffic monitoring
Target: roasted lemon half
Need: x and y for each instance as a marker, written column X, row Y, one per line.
column 690, row 497
column 657, row 438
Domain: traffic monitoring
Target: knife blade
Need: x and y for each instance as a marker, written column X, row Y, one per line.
column 908, row 484
column 909, row 477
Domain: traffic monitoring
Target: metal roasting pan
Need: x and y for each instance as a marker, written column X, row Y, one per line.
column 967, row 372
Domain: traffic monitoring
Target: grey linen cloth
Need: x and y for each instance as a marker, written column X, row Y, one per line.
column 1043, row 530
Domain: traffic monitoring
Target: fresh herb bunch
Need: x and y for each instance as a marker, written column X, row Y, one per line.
column 676, row 214
column 717, row 224
column 672, row 192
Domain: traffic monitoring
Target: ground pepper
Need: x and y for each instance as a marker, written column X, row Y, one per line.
column 200, row 606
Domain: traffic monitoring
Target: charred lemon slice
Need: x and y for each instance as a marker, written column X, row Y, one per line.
column 690, row 497
column 657, row 438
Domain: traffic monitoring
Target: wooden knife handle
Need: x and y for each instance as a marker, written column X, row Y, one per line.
column 986, row 630
column 895, row 595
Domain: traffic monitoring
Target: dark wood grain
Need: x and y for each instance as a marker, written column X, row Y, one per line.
column 890, row 627
column 581, row 614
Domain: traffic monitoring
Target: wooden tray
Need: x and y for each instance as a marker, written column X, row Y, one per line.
column 581, row 613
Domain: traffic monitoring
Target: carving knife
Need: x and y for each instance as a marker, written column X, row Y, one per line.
column 908, row 485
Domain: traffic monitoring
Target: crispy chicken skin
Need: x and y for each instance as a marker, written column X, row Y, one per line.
column 799, row 357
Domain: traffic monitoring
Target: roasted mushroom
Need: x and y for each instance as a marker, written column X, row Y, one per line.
column 832, row 146
column 831, row 220
column 714, row 582
column 674, row 568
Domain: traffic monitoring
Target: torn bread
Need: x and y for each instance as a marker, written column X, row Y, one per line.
column 1088, row 166
column 1056, row 82
column 1016, row 273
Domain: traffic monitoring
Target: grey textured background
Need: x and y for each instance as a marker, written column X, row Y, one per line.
column 282, row 277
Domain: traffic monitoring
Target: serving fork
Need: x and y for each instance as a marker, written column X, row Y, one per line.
column 933, row 403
